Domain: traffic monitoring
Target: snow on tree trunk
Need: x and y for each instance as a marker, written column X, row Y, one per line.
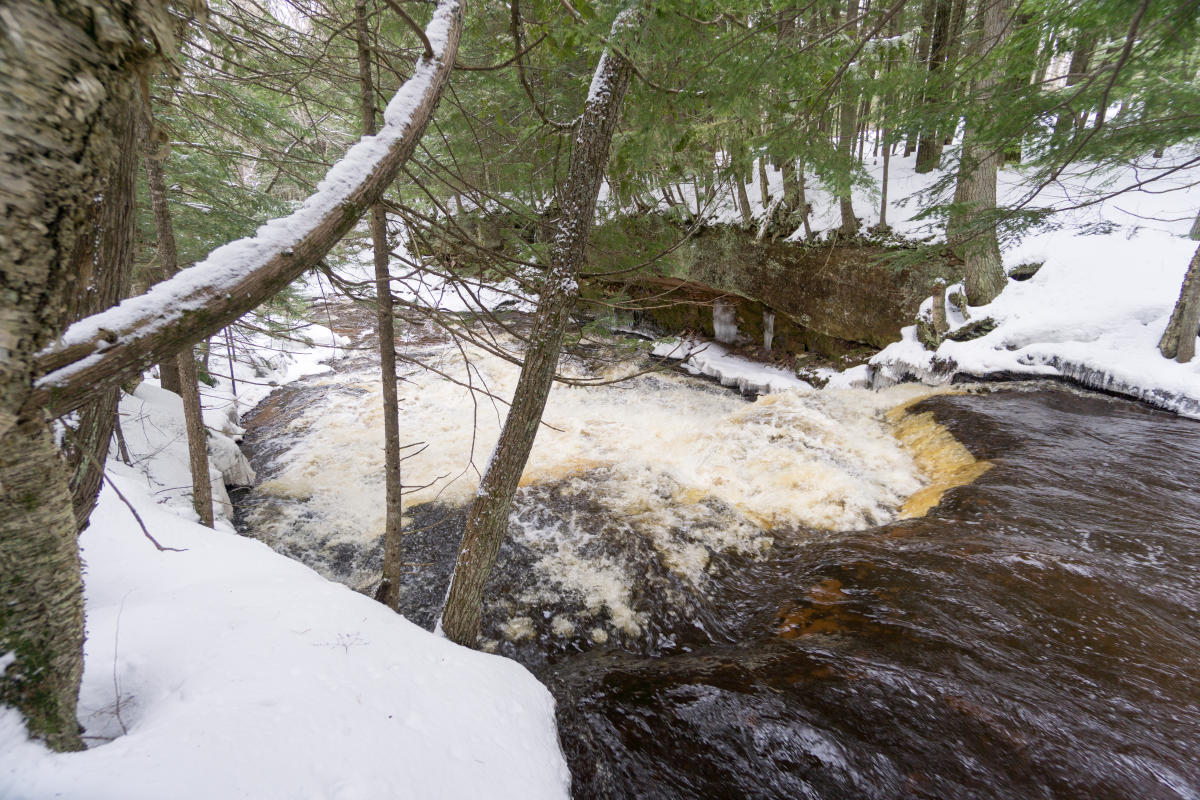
column 106, row 349
column 1179, row 339
column 487, row 519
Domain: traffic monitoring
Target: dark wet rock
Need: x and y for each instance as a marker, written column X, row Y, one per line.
column 972, row 330
column 1023, row 272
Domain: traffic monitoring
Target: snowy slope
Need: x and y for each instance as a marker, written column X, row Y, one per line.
column 242, row 673
column 1093, row 314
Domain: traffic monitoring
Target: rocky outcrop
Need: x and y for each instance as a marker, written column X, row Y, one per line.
column 830, row 298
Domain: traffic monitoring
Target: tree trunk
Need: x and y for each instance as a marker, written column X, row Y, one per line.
column 168, row 369
column 883, row 182
column 847, row 129
column 929, row 146
column 743, row 200
column 847, row 132
column 976, row 192
column 67, row 79
column 184, row 366
column 487, row 519
column 100, row 272
column 802, row 199
column 1179, row 339
column 764, row 189
column 388, row 592
column 197, row 436
column 1081, row 59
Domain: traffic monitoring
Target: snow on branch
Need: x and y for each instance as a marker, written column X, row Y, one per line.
column 105, row 349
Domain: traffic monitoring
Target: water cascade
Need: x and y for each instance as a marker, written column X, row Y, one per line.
column 816, row 594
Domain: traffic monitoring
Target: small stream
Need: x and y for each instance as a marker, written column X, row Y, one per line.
column 727, row 601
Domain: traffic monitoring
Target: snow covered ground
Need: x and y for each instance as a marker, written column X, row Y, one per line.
column 223, row 670
column 1093, row 314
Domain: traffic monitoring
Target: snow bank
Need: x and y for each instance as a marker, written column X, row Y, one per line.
column 715, row 361
column 237, row 672
column 1093, row 314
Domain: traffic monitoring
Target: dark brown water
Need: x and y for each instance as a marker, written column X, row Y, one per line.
column 1037, row 635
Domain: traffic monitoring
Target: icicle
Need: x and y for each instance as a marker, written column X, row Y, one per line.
column 724, row 322
column 768, row 329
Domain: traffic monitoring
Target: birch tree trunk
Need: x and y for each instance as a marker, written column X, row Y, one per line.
column 1179, row 339
column 388, row 592
column 68, row 69
column 487, row 519
column 65, row 71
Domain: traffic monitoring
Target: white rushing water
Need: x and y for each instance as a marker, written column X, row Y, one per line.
column 689, row 468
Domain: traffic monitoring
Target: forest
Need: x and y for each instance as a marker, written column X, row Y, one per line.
column 660, row 398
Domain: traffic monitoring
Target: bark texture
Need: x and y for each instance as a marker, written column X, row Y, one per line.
column 183, row 366
column 974, row 227
column 99, row 276
column 388, row 592
column 487, row 519
column 65, row 79
column 1179, row 339
column 929, row 146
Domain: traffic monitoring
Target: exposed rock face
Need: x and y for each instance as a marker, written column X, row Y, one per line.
column 831, row 298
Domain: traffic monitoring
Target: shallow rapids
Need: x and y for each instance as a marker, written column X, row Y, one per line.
column 669, row 452
column 821, row 595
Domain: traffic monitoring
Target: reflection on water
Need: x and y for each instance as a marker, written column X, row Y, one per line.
column 1035, row 634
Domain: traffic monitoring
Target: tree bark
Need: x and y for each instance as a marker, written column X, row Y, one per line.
column 197, row 436
column 847, row 131
column 1179, row 339
column 184, row 364
column 388, row 592
column 168, row 369
column 929, row 145
column 108, row 349
column 975, row 196
column 848, row 127
column 100, row 271
column 65, row 74
column 68, row 69
column 487, row 519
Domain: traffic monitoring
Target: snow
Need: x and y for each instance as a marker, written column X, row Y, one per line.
column 1093, row 314
column 241, row 673
column 715, row 361
column 226, row 670
column 224, row 267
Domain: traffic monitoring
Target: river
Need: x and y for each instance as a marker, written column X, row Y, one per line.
column 736, row 599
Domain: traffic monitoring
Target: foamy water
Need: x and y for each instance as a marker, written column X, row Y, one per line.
column 686, row 468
